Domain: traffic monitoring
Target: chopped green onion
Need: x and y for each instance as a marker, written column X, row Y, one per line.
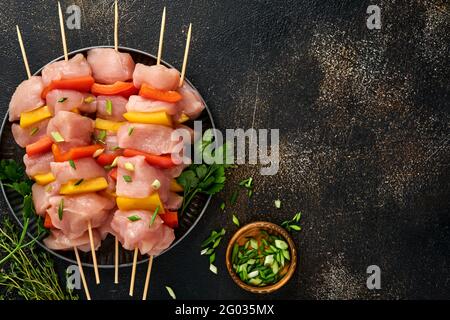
column 130, row 131
column 134, row 218
column 127, row 178
column 213, row 268
column 98, row 152
column 204, row 251
column 222, row 206
column 72, row 164
column 254, row 243
column 109, row 107
column 212, row 258
column 129, row 166
column 156, row 184
column 253, row 274
column 62, row 99
column 280, row 244
column 57, row 136
column 268, row 260
column 277, row 204
column 154, row 216
column 234, row 197
column 171, row 293
column 34, row 131
column 61, row 209
column 235, row 220
column 114, row 163
column 101, row 136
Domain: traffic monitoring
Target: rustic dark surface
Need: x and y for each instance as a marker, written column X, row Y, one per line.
column 364, row 132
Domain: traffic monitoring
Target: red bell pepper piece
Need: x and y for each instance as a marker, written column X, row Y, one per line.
column 170, row 218
column 41, row 146
column 155, row 94
column 106, row 159
column 163, row 161
column 48, row 222
column 119, row 88
column 74, row 153
column 83, row 84
column 113, row 174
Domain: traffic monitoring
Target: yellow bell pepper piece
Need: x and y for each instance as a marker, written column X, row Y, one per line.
column 90, row 185
column 43, row 179
column 183, row 118
column 34, row 116
column 159, row 117
column 175, row 186
column 149, row 203
column 108, row 125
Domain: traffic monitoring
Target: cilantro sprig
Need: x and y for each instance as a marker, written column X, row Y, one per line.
column 204, row 178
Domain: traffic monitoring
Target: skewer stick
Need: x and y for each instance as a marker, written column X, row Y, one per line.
column 186, row 54
column 133, row 271
column 116, row 26
column 116, row 47
column 147, row 278
column 83, row 279
column 24, row 54
column 63, row 33
column 94, row 256
column 116, row 260
column 161, row 36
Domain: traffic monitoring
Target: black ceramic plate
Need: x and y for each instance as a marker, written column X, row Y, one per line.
column 105, row 254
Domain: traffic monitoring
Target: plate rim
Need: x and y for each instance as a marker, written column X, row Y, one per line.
column 55, row 252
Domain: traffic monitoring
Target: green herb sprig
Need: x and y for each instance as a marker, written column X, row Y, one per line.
column 204, row 178
column 29, row 273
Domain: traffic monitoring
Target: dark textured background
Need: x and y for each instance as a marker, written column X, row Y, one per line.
column 364, row 132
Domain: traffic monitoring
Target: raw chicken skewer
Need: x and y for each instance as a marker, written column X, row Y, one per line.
column 80, row 266
column 91, row 238
column 183, row 73
column 150, row 261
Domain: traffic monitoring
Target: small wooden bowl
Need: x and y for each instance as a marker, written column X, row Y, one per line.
column 270, row 228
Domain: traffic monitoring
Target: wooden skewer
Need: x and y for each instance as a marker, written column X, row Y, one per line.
column 94, row 255
column 116, row 260
column 116, row 47
column 63, row 33
column 83, row 279
column 161, row 36
column 91, row 238
column 24, row 54
column 150, row 261
column 186, row 54
column 116, row 26
column 133, row 271
column 147, row 278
